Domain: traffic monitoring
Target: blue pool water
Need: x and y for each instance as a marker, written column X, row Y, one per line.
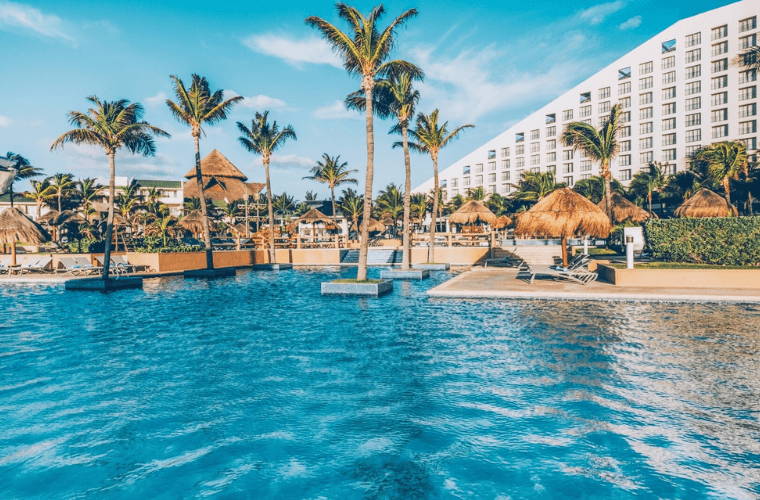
column 256, row 387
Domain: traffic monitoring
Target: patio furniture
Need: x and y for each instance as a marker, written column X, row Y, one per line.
column 509, row 260
column 77, row 266
column 5, row 264
column 581, row 276
column 39, row 264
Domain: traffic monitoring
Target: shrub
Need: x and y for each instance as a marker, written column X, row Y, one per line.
column 730, row 241
column 88, row 245
column 155, row 244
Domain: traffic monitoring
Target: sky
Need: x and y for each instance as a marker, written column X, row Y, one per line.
column 487, row 63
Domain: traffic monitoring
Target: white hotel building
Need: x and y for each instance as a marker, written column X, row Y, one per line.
column 678, row 92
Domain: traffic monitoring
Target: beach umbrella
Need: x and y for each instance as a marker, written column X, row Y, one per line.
column 47, row 217
column 563, row 214
column 705, row 203
column 193, row 222
column 67, row 217
column 471, row 212
column 502, row 222
column 623, row 210
column 15, row 227
column 374, row 226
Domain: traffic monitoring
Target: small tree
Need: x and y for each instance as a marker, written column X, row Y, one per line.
column 725, row 160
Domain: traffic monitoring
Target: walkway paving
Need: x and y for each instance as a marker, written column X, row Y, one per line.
column 508, row 284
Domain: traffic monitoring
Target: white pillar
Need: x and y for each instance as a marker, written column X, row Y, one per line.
column 629, row 252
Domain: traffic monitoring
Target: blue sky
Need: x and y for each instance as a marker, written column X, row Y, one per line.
column 488, row 63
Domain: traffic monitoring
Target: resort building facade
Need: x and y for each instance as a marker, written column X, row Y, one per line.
column 678, row 91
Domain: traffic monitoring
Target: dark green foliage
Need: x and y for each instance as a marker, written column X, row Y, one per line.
column 730, row 241
column 155, row 244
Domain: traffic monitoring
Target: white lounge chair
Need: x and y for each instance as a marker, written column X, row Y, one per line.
column 509, row 260
column 77, row 266
column 5, row 264
column 581, row 276
column 40, row 264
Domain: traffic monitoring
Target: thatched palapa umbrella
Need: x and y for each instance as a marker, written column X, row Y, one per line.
column 705, row 203
column 471, row 212
column 502, row 222
column 312, row 217
column 623, row 210
column 47, row 217
column 221, row 180
column 374, row 226
column 67, row 217
column 563, row 214
column 193, row 222
column 15, row 227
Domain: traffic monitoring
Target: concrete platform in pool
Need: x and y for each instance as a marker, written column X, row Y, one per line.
column 398, row 274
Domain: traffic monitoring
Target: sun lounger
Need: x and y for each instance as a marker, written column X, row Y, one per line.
column 77, row 266
column 581, row 276
column 39, row 264
column 509, row 260
column 577, row 262
column 5, row 264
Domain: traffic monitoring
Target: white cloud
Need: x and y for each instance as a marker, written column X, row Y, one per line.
column 336, row 111
column 92, row 162
column 258, row 102
column 5, row 121
column 312, row 50
column 632, row 23
column 17, row 16
column 287, row 161
column 156, row 100
column 598, row 13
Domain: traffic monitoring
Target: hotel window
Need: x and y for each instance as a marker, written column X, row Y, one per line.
column 625, row 146
column 552, row 144
column 491, row 177
column 567, row 115
column 668, row 139
column 585, row 111
column 646, row 68
column 519, row 162
column 719, row 115
column 535, row 170
column 504, row 163
column 693, row 56
column 478, row 168
column 694, row 135
column 552, row 169
column 750, row 144
column 535, row 159
column 587, row 122
column 604, row 93
column 646, row 83
column 669, row 62
column 535, row 134
column 567, row 154
column 625, row 102
column 624, row 73
column 585, row 97
column 505, row 176
column 535, row 147
column 568, row 180
column 647, row 157
column 624, row 88
column 520, row 150
column 567, row 168
column 478, row 180
column 670, row 169
column 466, row 170
column 669, row 108
column 719, row 49
column 694, row 120
column 669, row 124
column 748, row 76
column 719, row 32
column 645, row 98
column 719, row 82
column 625, row 175
column 693, row 103
column 719, row 98
column 668, row 154
column 491, row 165
column 668, row 46
column 585, row 176
column 646, row 128
column 747, row 110
column 520, row 137
column 690, row 150
column 645, row 113
column 492, row 189
column 747, row 24
column 505, row 188
column 454, row 192
column 694, row 87
column 603, row 120
column 625, row 131
column 693, row 71
column 491, row 154
column 720, row 131
column 746, row 42
column 668, row 77
column 604, row 107
column 466, row 181
column 504, row 152
column 551, row 131
column 585, row 165
column 551, row 157
column 749, row 127
column 693, row 39
column 718, row 66
column 551, row 118
column 625, row 160
column 669, row 93
column 454, row 182
column 444, row 183
column 747, row 93
column 625, row 117
column 645, row 143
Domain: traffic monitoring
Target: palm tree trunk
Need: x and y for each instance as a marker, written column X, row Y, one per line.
column 361, row 273
column 10, row 193
column 406, row 244
column 607, row 189
column 271, row 213
column 649, row 200
column 434, row 215
column 564, row 251
column 727, row 188
column 335, row 217
column 204, row 209
column 109, row 221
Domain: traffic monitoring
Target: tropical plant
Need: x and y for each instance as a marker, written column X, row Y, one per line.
column 41, row 192
column 332, row 172
column 534, row 186
column 454, row 203
column 351, row 205
column 112, row 126
column 648, row 182
column 429, row 138
column 365, row 52
column 682, row 185
column 725, row 161
column 593, row 188
column 390, row 202
column 196, row 107
column 417, row 206
column 193, row 204
column 478, row 194
column 24, row 170
column 498, row 204
column 311, row 196
column 749, row 59
column 230, row 210
column 89, row 192
column 62, row 186
column 263, row 138
column 283, row 205
column 163, row 227
column 600, row 145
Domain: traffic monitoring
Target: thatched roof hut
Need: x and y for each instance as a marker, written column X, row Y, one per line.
column 374, row 226
column 563, row 214
column 502, row 222
column 192, row 222
column 705, row 203
column 47, row 217
column 314, row 217
column 623, row 210
column 471, row 212
column 67, row 217
column 221, row 180
column 15, row 227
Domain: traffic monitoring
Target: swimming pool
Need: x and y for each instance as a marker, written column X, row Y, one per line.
column 258, row 387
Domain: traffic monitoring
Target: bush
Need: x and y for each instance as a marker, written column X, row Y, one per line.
column 155, row 244
column 730, row 241
column 88, row 245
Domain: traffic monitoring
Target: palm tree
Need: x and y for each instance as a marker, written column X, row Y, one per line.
column 593, row 188
column 61, row 185
column 230, row 210
column 418, row 206
column 365, row 52
column 455, row 203
column 283, row 204
column 390, row 202
column 193, row 204
column 351, row 205
column 498, row 204
column 162, row 227
column 536, row 185
column 749, row 59
column 647, row 182
column 332, row 172
column 725, row 160
column 41, row 192
column 89, row 191
column 111, row 125
column 478, row 194
column 312, row 196
column 430, row 138
column 196, row 107
column 263, row 139
column 682, row 185
column 24, row 170
column 599, row 145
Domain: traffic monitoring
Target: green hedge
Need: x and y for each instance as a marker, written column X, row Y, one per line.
column 155, row 244
column 729, row 241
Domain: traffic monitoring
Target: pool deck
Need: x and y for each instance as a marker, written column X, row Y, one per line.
column 500, row 283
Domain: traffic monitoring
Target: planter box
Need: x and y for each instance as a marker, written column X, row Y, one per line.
column 361, row 289
column 101, row 285
column 395, row 274
column 210, row 273
column 681, row 278
column 432, row 267
column 272, row 267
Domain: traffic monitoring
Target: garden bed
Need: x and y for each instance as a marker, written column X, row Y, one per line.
column 683, row 277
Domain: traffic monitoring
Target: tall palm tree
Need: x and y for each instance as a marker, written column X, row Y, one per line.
column 536, row 185
column 112, row 126
column 283, row 205
column 351, row 205
column 599, row 145
column 418, row 206
column 365, row 52
column 196, row 107
column 89, row 191
column 429, row 138
column 61, row 185
column 41, row 192
column 263, row 138
column 593, row 188
column 725, row 160
column 390, row 202
column 24, row 170
column 647, row 182
column 332, row 172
